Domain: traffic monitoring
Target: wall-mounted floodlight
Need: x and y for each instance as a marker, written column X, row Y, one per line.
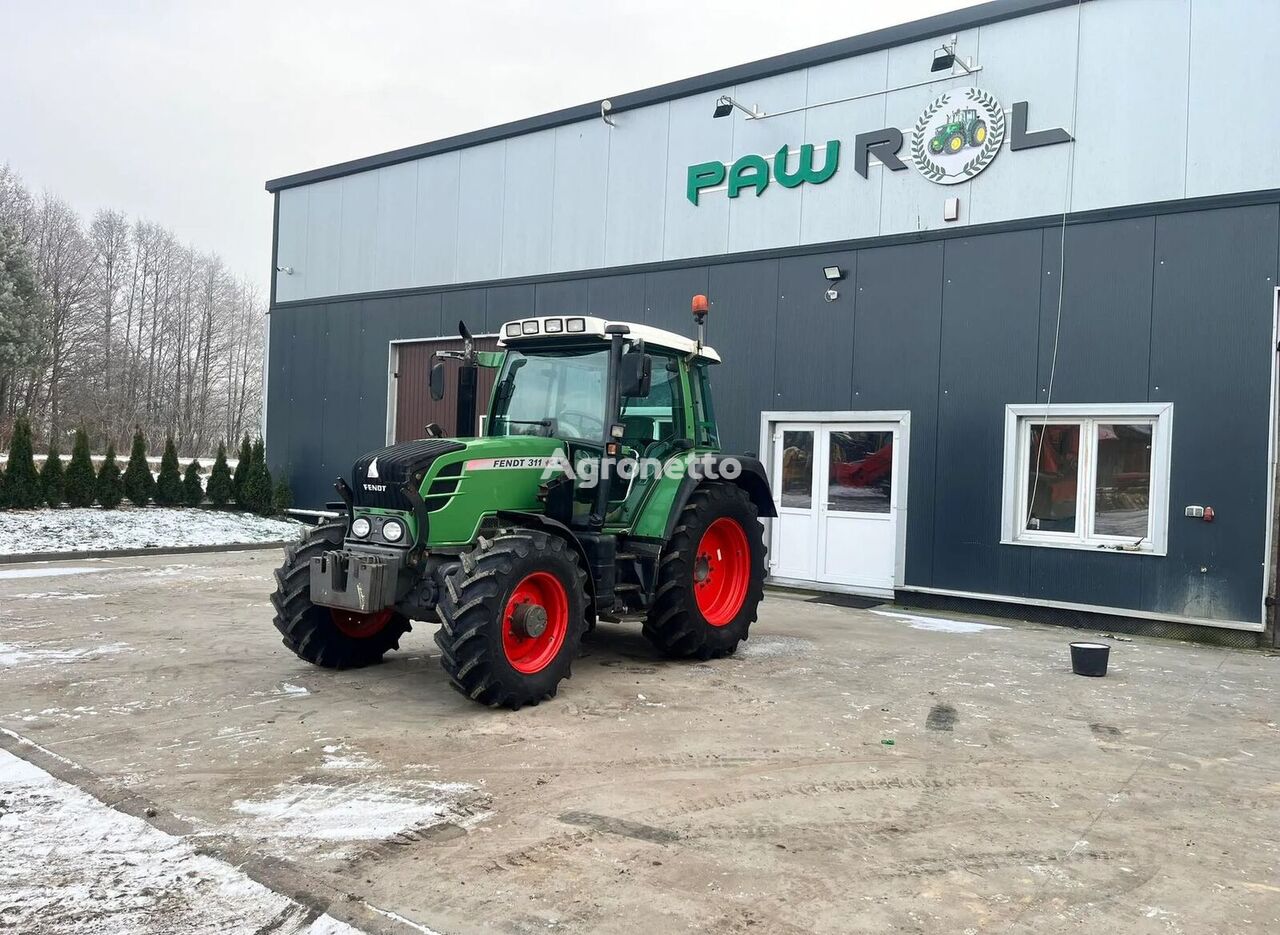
column 287, row 270
column 945, row 58
column 725, row 106
column 833, row 273
column 606, row 106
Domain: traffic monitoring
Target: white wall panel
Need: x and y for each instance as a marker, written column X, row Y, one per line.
column 529, row 182
column 436, row 220
column 577, row 211
column 1132, row 123
column 397, row 204
column 359, row 238
column 481, row 186
column 1234, row 48
column 696, row 137
column 291, row 246
column 324, row 238
column 637, row 186
column 757, row 222
column 846, row 206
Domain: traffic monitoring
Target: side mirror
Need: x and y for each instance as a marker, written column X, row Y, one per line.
column 636, row 375
column 437, row 380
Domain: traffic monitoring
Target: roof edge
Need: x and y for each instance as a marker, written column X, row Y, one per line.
column 972, row 17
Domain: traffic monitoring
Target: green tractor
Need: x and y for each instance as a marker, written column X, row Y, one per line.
column 963, row 128
column 596, row 491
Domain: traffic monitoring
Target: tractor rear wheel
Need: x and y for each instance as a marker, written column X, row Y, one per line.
column 710, row 577
column 512, row 616
column 335, row 639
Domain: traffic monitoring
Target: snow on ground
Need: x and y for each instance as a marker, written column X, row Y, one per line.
column 30, row 532
column 940, row 624
column 73, row 865
column 53, row 652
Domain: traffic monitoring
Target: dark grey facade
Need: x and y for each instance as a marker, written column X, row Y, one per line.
column 1170, row 305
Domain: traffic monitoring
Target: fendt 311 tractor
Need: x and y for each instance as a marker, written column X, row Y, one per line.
column 597, row 491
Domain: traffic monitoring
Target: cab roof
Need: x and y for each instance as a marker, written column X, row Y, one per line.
column 563, row 327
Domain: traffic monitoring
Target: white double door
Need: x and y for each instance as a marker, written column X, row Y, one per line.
column 836, row 486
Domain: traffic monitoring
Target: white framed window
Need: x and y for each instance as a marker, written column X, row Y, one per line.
column 1092, row 476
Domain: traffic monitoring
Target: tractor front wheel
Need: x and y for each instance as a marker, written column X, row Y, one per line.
column 512, row 616
column 335, row 639
column 710, row 577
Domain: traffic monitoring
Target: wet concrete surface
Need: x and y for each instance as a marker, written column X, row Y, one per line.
column 848, row 770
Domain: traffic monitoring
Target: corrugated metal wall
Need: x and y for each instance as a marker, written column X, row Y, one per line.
column 1170, row 308
column 1167, row 99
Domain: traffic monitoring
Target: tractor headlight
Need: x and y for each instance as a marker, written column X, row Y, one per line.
column 392, row 531
column 360, row 528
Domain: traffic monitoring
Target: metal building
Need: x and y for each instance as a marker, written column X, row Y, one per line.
column 996, row 293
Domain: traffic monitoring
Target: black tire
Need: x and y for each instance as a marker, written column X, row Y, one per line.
column 676, row 624
column 472, row 608
column 311, row 632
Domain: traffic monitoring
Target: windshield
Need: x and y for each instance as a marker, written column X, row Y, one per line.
column 556, row 393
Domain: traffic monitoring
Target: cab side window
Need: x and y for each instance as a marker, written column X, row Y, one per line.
column 704, row 417
column 658, row 417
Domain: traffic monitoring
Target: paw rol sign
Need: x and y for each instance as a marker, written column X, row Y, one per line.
column 958, row 135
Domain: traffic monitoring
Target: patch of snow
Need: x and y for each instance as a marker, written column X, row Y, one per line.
column 53, row 571
column 940, row 624
column 13, row 655
column 33, row 532
column 364, row 811
column 763, row 647
column 55, row 596
column 75, row 865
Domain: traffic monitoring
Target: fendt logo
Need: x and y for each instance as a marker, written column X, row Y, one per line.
column 958, row 135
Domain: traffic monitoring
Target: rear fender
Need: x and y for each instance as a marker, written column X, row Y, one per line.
column 750, row 478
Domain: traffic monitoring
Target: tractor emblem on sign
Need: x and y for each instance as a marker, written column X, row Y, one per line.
column 958, row 135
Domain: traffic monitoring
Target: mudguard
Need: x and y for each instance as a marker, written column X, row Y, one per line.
column 752, row 479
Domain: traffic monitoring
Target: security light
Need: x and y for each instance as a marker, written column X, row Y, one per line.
column 833, row 273
column 723, row 108
column 943, row 59
column 725, row 105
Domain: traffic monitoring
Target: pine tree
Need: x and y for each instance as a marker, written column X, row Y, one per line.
column 81, row 481
column 281, row 497
column 110, row 485
column 169, row 483
column 139, row 485
column 244, row 462
column 220, row 483
column 257, row 483
column 192, row 491
column 23, row 490
column 52, row 479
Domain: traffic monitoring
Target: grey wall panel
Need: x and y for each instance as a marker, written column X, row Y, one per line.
column 345, row 419
column 481, row 189
column 637, row 194
column 1131, row 124
column 668, row 296
column 1103, row 340
column 1076, row 576
column 324, row 238
column 1036, row 63
column 465, row 305
column 435, row 249
column 504, row 303
column 397, row 206
column 814, row 338
column 988, row 360
column 847, row 205
column 1233, row 48
column 359, row 233
column 696, row 137
column 526, row 209
column 578, row 209
column 1211, row 356
column 757, row 222
column 744, row 306
column 616, row 298
column 897, row 332
column 291, row 248
column 562, row 298
column 306, row 400
column 416, row 316
column 281, row 350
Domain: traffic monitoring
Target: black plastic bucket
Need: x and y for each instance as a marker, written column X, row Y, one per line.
column 1089, row 658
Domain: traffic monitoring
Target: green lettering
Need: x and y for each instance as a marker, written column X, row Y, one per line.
column 749, row 172
column 704, row 175
column 804, row 169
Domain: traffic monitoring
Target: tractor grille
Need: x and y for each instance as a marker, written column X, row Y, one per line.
column 378, row 477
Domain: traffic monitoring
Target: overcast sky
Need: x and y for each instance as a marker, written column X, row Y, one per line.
column 179, row 111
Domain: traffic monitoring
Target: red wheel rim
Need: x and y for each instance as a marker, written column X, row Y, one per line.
column 722, row 571
column 530, row 654
column 360, row 626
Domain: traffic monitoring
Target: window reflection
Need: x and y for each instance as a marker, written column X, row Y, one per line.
column 861, row 472
column 797, row 469
column 1122, row 492
column 1054, row 453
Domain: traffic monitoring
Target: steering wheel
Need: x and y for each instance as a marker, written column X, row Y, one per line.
column 434, row 430
column 583, row 420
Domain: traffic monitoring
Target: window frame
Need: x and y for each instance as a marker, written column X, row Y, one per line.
column 1021, row 418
